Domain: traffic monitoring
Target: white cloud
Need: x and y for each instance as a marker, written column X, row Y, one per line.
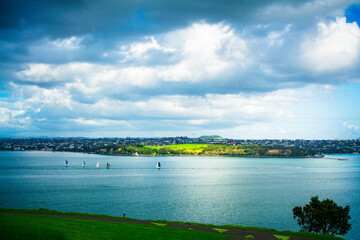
column 198, row 121
column 90, row 79
column 350, row 126
column 328, row 88
column 206, row 51
column 7, row 115
column 197, row 110
column 201, row 51
column 276, row 38
column 13, row 118
column 39, row 72
column 36, row 98
column 67, row 43
column 140, row 49
column 98, row 122
column 233, row 115
column 335, row 46
column 214, row 55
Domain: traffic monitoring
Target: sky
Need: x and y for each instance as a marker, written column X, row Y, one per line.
column 157, row 68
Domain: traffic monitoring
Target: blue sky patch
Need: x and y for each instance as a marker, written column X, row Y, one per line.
column 352, row 14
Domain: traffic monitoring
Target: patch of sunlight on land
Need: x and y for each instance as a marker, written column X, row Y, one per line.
column 189, row 147
column 282, row 237
column 159, row 224
column 220, row 230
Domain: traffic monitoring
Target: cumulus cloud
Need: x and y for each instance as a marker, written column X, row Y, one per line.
column 204, row 52
column 178, row 112
column 335, row 46
column 139, row 50
column 38, row 73
column 9, row 115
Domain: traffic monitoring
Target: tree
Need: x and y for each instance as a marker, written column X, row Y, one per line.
column 323, row 217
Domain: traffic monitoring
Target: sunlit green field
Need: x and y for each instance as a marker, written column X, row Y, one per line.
column 189, row 147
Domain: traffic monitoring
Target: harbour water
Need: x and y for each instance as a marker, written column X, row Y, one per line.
column 220, row 190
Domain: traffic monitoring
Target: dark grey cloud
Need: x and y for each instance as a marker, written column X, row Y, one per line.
column 22, row 23
column 67, row 18
column 106, row 23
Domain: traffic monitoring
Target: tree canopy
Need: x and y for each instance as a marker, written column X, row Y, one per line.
column 323, row 217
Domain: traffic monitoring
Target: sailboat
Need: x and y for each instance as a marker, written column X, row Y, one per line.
column 66, row 163
column 83, row 163
column 108, row 165
column 158, row 165
column 97, row 165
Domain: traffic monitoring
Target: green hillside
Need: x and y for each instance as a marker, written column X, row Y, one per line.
column 189, row 148
column 57, row 225
column 207, row 150
column 42, row 227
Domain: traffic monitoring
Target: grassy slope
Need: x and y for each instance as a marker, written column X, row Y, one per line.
column 190, row 147
column 139, row 228
column 40, row 227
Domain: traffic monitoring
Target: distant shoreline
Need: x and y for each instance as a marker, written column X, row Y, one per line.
column 182, row 155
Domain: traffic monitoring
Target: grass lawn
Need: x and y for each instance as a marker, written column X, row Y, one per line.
column 189, row 147
column 41, row 227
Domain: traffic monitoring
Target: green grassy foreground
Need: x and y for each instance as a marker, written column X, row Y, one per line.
column 40, row 227
column 43, row 227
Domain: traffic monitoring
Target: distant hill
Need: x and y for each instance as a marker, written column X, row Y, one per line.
column 211, row 137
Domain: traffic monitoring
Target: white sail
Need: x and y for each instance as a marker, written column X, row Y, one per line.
column 98, row 165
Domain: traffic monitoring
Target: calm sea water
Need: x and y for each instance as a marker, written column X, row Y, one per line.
column 219, row 190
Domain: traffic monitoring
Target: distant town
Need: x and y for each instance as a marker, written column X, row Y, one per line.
column 92, row 145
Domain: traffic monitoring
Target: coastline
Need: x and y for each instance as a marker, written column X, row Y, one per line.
column 169, row 155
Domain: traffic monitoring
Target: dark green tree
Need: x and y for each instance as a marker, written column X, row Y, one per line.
column 323, row 217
